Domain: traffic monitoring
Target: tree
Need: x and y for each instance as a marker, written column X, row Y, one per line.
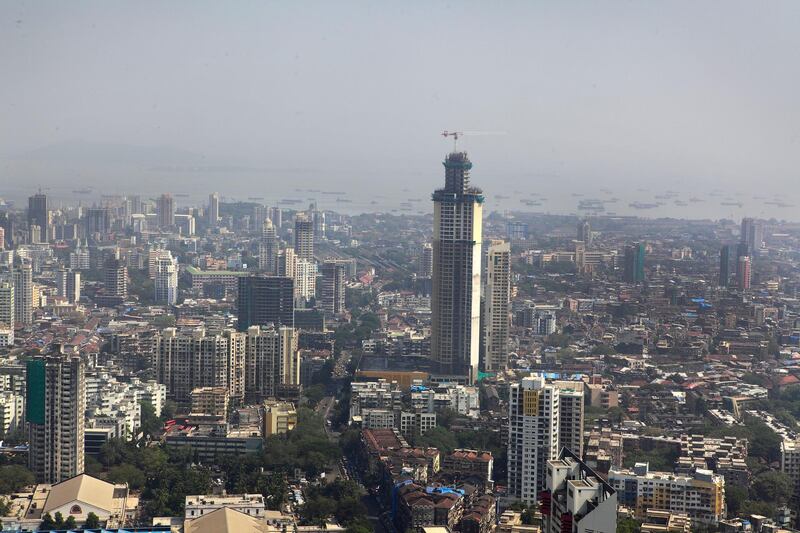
column 47, row 523
column 92, row 521
column 169, row 410
column 773, row 487
column 439, row 437
column 628, row 525
column 59, row 518
column 603, row 349
column 314, row 393
column 150, row 422
column 15, row 477
column 735, row 496
column 765, row 442
column 127, row 473
column 359, row 526
column 113, row 452
column 70, row 523
column 557, row 340
column 5, row 507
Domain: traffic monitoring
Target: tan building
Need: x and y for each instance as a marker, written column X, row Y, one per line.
column 85, row 494
column 279, row 418
column 511, row 522
column 497, row 306
column 271, row 360
column 210, row 401
column 657, row 521
column 701, row 496
column 226, row 520
column 201, row 505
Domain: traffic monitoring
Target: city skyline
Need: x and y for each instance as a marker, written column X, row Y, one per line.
column 578, row 102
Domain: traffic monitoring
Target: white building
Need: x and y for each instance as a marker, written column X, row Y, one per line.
column 12, row 407
column 379, row 394
column 23, row 294
column 249, row 504
column 166, row 280
column 577, row 500
column 533, row 436
column 305, row 280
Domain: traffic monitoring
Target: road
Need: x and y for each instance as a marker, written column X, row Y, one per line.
column 343, row 468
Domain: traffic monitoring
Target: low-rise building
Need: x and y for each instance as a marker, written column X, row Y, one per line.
column 249, row 504
column 469, row 463
column 657, row 521
column 700, row 495
column 279, row 418
column 75, row 497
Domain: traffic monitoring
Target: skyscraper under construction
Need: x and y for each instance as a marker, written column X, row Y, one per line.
column 456, row 299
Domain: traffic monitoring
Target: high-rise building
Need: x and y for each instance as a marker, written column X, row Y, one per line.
column 543, row 418
column 98, row 221
column 577, row 499
column 2, row 239
column 7, row 223
column 271, row 359
column 743, row 273
column 55, row 412
column 23, row 293
column 318, row 219
column 634, row 263
column 585, row 232
column 185, row 225
column 727, row 263
column 533, row 436
column 517, row 230
column 752, row 235
column 544, row 322
column 276, row 215
column 268, row 248
column 265, row 300
column 455, row 299
column 305, row 281
column 333, row 289
column 34, row 234
column 7, row 311
column 165, row 283
column 260, row 215
column 212, row 215
column 426, row 261
column 570, row 415
column 304, row 237
column 185, row 361
column 39, row 214
column 287, row 263
column 166, row 211
column 115, row 277
column 497, row 306
column 68, row 283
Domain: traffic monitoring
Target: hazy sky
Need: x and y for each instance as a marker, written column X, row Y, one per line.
column 349, row 95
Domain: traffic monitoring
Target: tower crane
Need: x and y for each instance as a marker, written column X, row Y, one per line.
column 456, row 134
